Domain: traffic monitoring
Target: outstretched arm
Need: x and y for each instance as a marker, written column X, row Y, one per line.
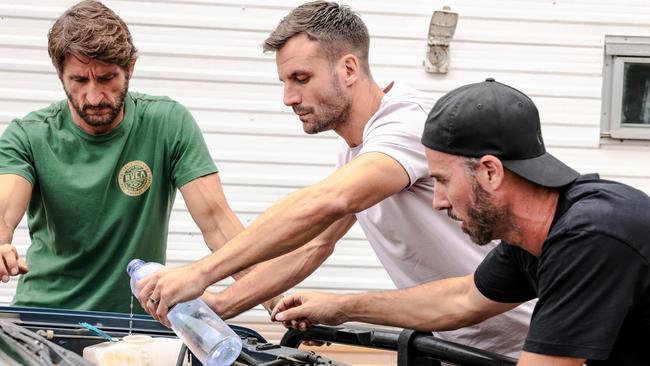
column 275, row 276
column 289, row 224
column 438, row 305
column 15, row 193
column 435, row 306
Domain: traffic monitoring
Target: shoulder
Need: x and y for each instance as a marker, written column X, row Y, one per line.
column 146, row 99
column 590, row 192
column 402, row 107
column 44, row 117
column 504, row 276
column 157, row 107
column 600, row 207
column 403, row 96
column 162, row 113
column 505, row 253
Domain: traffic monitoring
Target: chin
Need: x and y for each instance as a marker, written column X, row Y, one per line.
column 310, row 129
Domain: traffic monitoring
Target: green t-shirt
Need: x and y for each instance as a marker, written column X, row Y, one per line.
column 99, row 201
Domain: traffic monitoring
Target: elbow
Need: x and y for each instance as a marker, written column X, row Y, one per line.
column 331, row 204
column 322, row 249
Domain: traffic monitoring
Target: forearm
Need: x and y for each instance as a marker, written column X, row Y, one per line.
column 6, row 232
column 291, row 222
column 15, row 192
column 301, row 216
column 535, row 359
column 438, row 305
column 209, row 208
column 207, row 204
column 269, row 279
column 227, row 228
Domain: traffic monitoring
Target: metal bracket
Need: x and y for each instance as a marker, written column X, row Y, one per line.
column 441, row 31
column 406, row 355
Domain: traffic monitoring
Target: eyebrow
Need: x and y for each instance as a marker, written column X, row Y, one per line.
column 107, row 74
column 110, row 73
column 436, row 176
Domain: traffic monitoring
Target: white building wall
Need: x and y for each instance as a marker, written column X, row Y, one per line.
column 207, row 55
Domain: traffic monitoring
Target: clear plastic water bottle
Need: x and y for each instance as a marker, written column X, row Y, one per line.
column 203, row 332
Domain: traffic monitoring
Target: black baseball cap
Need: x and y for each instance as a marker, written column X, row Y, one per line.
column 491, row 118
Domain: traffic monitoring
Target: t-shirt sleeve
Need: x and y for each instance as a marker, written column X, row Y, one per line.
column 397, row 134
column 190, row 158
column 500, row 277
column 588, row 284
column 16, row 153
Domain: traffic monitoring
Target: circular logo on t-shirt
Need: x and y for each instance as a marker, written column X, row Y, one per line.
column 135, row 178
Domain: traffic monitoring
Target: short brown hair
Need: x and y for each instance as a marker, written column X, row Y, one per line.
column 92, row 30
column 336, row 27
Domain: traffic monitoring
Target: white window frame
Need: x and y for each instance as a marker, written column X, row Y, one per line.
column 618, row 51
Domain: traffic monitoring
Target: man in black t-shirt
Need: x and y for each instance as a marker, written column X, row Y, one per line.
column 579, row 244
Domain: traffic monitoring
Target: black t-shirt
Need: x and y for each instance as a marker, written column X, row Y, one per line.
column 592, row 277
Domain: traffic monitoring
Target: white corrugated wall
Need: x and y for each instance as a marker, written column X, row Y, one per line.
column 207, row 54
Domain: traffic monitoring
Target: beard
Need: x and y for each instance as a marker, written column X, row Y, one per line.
column 97, row 120
column 483, row 216
column 334, row 110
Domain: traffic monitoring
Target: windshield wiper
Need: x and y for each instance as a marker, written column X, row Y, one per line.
column 31, row 349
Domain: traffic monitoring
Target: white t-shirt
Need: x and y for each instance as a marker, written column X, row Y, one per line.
column 414, row 242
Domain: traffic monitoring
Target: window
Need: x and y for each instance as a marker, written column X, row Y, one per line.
column 626, row 88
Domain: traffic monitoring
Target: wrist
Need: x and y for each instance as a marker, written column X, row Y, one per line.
column 203, row 273
column 348, row 307
column 216, row 301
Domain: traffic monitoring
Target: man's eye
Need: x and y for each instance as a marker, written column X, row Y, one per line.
column 302, row 79
column 105, row 79
column 80, row 80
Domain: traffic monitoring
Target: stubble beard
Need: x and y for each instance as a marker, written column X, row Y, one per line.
column 335, row 111
column 484, row 217
column 99, row 121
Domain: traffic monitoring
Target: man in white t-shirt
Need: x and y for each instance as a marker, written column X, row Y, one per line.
column 382, row 181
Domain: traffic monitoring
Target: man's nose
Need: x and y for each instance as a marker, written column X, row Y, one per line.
column 291, row 97
column 94, row 96
column 440, row 201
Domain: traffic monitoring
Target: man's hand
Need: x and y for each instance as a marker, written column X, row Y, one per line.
column 165, row 288
column 304, row 309
column 11, row 264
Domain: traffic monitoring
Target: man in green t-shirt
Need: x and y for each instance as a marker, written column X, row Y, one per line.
column 97, row 173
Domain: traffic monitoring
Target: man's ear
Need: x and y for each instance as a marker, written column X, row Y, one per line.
column 490, row 173
column 351, row 66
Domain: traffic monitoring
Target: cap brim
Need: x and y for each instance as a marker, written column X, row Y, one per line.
column 544, row 170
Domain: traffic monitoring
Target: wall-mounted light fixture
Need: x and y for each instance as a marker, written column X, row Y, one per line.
column 441, row 31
